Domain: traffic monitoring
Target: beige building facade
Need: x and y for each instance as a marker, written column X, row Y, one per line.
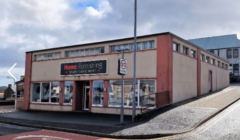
column 85, row 77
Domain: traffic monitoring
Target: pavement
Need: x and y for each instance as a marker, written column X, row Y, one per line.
column 175, row 119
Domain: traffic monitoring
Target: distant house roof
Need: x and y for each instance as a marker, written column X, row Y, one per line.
column 225, row 41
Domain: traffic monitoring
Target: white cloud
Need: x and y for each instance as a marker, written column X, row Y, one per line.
column 102, row 11
column 48, row 38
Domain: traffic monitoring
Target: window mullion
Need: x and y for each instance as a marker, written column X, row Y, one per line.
column 40, row 93
column 49, row 99
column 138, row 93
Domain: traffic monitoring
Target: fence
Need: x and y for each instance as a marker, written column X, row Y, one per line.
column 154, row 100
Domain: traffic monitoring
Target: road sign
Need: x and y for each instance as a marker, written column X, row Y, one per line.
column 122, row 66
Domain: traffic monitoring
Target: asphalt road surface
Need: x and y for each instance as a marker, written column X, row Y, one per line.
column 224, row 126
column 13, row 132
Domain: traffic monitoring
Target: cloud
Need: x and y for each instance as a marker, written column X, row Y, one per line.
column 38, row 24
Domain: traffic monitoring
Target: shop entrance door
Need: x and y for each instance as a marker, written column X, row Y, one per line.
column 86, row 98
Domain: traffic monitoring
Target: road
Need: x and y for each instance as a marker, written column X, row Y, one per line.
column 13, row 132
column 224, row 126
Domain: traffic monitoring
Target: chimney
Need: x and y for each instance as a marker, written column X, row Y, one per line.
column 9, row 85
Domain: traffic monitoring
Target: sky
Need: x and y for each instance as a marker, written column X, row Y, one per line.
column 27, row 25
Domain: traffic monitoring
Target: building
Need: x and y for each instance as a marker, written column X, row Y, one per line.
column 8, row 92
column 20, row 87
column 84, row 77
column 227, row 47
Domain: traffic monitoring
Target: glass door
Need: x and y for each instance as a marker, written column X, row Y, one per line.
column 86, row 98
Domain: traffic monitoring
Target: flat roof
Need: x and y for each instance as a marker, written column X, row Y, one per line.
column 129, row 38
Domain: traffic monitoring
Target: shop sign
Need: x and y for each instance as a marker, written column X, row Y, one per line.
column 87, row 67
column 122, row 66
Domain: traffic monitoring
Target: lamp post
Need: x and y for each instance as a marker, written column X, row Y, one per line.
column 122, row 94
column 14, row 87
column 134, row 62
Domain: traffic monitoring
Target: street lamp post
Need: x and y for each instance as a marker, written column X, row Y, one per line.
column 134, row 62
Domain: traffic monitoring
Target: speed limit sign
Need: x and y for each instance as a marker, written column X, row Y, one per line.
column 122, row 66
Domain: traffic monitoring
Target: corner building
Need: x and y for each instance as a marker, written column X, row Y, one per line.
column 84, row 77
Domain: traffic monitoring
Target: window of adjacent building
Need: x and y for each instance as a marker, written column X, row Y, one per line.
column 202, row 57
column 68, row 92
column 229, row 53
column 185, row 50
column 193, row 53
column 235, row 68
column 176, row 47
column 85, row 52
column 48, row 56
column 143, row 88
column 45, row 92
column 235, row 53
column 222, row 65
column 212, row 51
column 139, row 46
column 97, row 95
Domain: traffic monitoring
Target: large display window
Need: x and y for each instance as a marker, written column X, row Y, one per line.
column 68, row 93
column 143, row 88
column 45, row 92
column 97, row 96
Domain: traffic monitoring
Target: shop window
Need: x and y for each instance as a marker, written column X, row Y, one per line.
column 235, row 53
column 45, row 92
column 55, row 91
column 115, row 91
column 185, row 50
column 68, row 93
column 147, row 90
column 98, row 92
column 229, row 53
column 176, row 47
column 36, row 92
column 193, row 53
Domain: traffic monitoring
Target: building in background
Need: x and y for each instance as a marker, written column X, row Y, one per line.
column 85, row 77
column 227, row 47
column 9, row 92
column 20, row 87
